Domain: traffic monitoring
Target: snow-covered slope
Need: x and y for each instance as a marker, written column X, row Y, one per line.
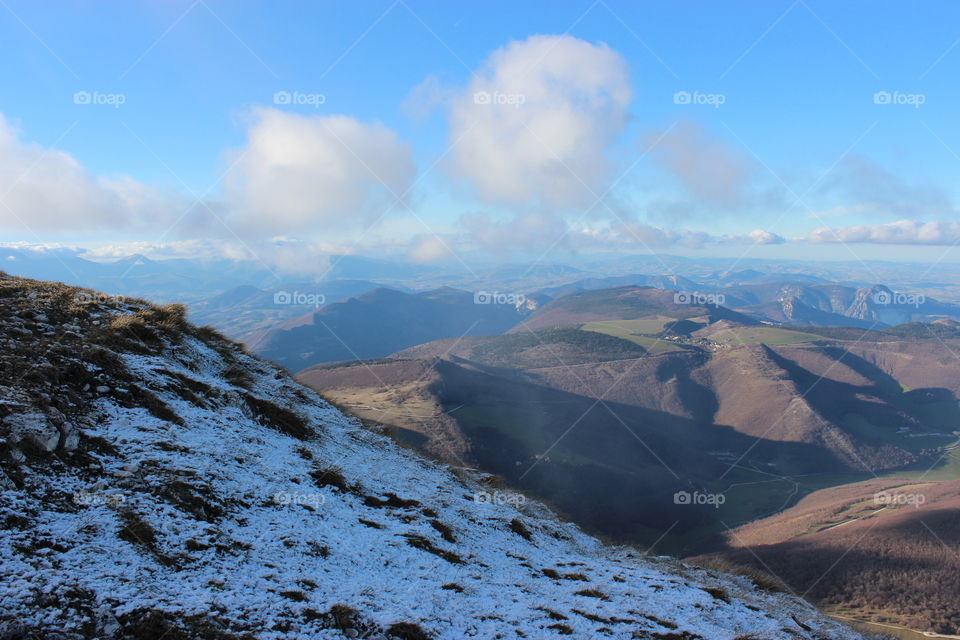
column 158, row 482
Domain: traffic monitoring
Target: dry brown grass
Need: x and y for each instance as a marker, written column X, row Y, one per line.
column 280, row 419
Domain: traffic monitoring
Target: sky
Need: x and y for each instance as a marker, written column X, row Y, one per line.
column 450, row 131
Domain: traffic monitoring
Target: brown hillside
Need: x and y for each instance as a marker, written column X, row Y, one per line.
column 861, row 551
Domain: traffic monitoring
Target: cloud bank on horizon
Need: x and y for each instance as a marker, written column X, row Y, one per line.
column 536, row 161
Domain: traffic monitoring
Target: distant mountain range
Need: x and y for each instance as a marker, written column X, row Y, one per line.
column 357, row 319
column 383, row 321
column 191, row 279
column 169, row 280
column 246, row 312
column 835, row 305
column 625, row 387
column 794, row 301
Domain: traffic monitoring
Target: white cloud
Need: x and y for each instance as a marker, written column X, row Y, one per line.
column 282, row 255
column 714, row 173
column 633, row 235
column 424, row 98
column 900, row 232
column 637, row 235
column 760, row 236
column 48, row 190
column 867, row 189
column 196, row 248
column 538, row 232
column 534, row 124
column 300, row 174
column 430, row 248
column 533, row 230
column 629, row 234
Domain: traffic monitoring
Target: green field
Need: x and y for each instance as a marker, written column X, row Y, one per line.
column 763, row 335
column 644, row 331
column 948, row 467
column 641, row 331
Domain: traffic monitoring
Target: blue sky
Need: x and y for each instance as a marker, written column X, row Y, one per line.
column 797, row 82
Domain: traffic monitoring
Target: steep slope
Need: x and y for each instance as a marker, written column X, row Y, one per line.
column 381, row 322
column 770, row 397
column 613, row 468
column 880, row 551
column 159, row 483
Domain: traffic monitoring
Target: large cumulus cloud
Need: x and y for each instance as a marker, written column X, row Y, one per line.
column 308, row 174
column 534, row 125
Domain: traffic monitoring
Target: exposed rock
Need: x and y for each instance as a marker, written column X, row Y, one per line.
column 35, row 428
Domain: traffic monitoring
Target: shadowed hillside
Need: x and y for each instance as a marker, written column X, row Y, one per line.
column 881, row 550
column 540, row 408
column 382, row 322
